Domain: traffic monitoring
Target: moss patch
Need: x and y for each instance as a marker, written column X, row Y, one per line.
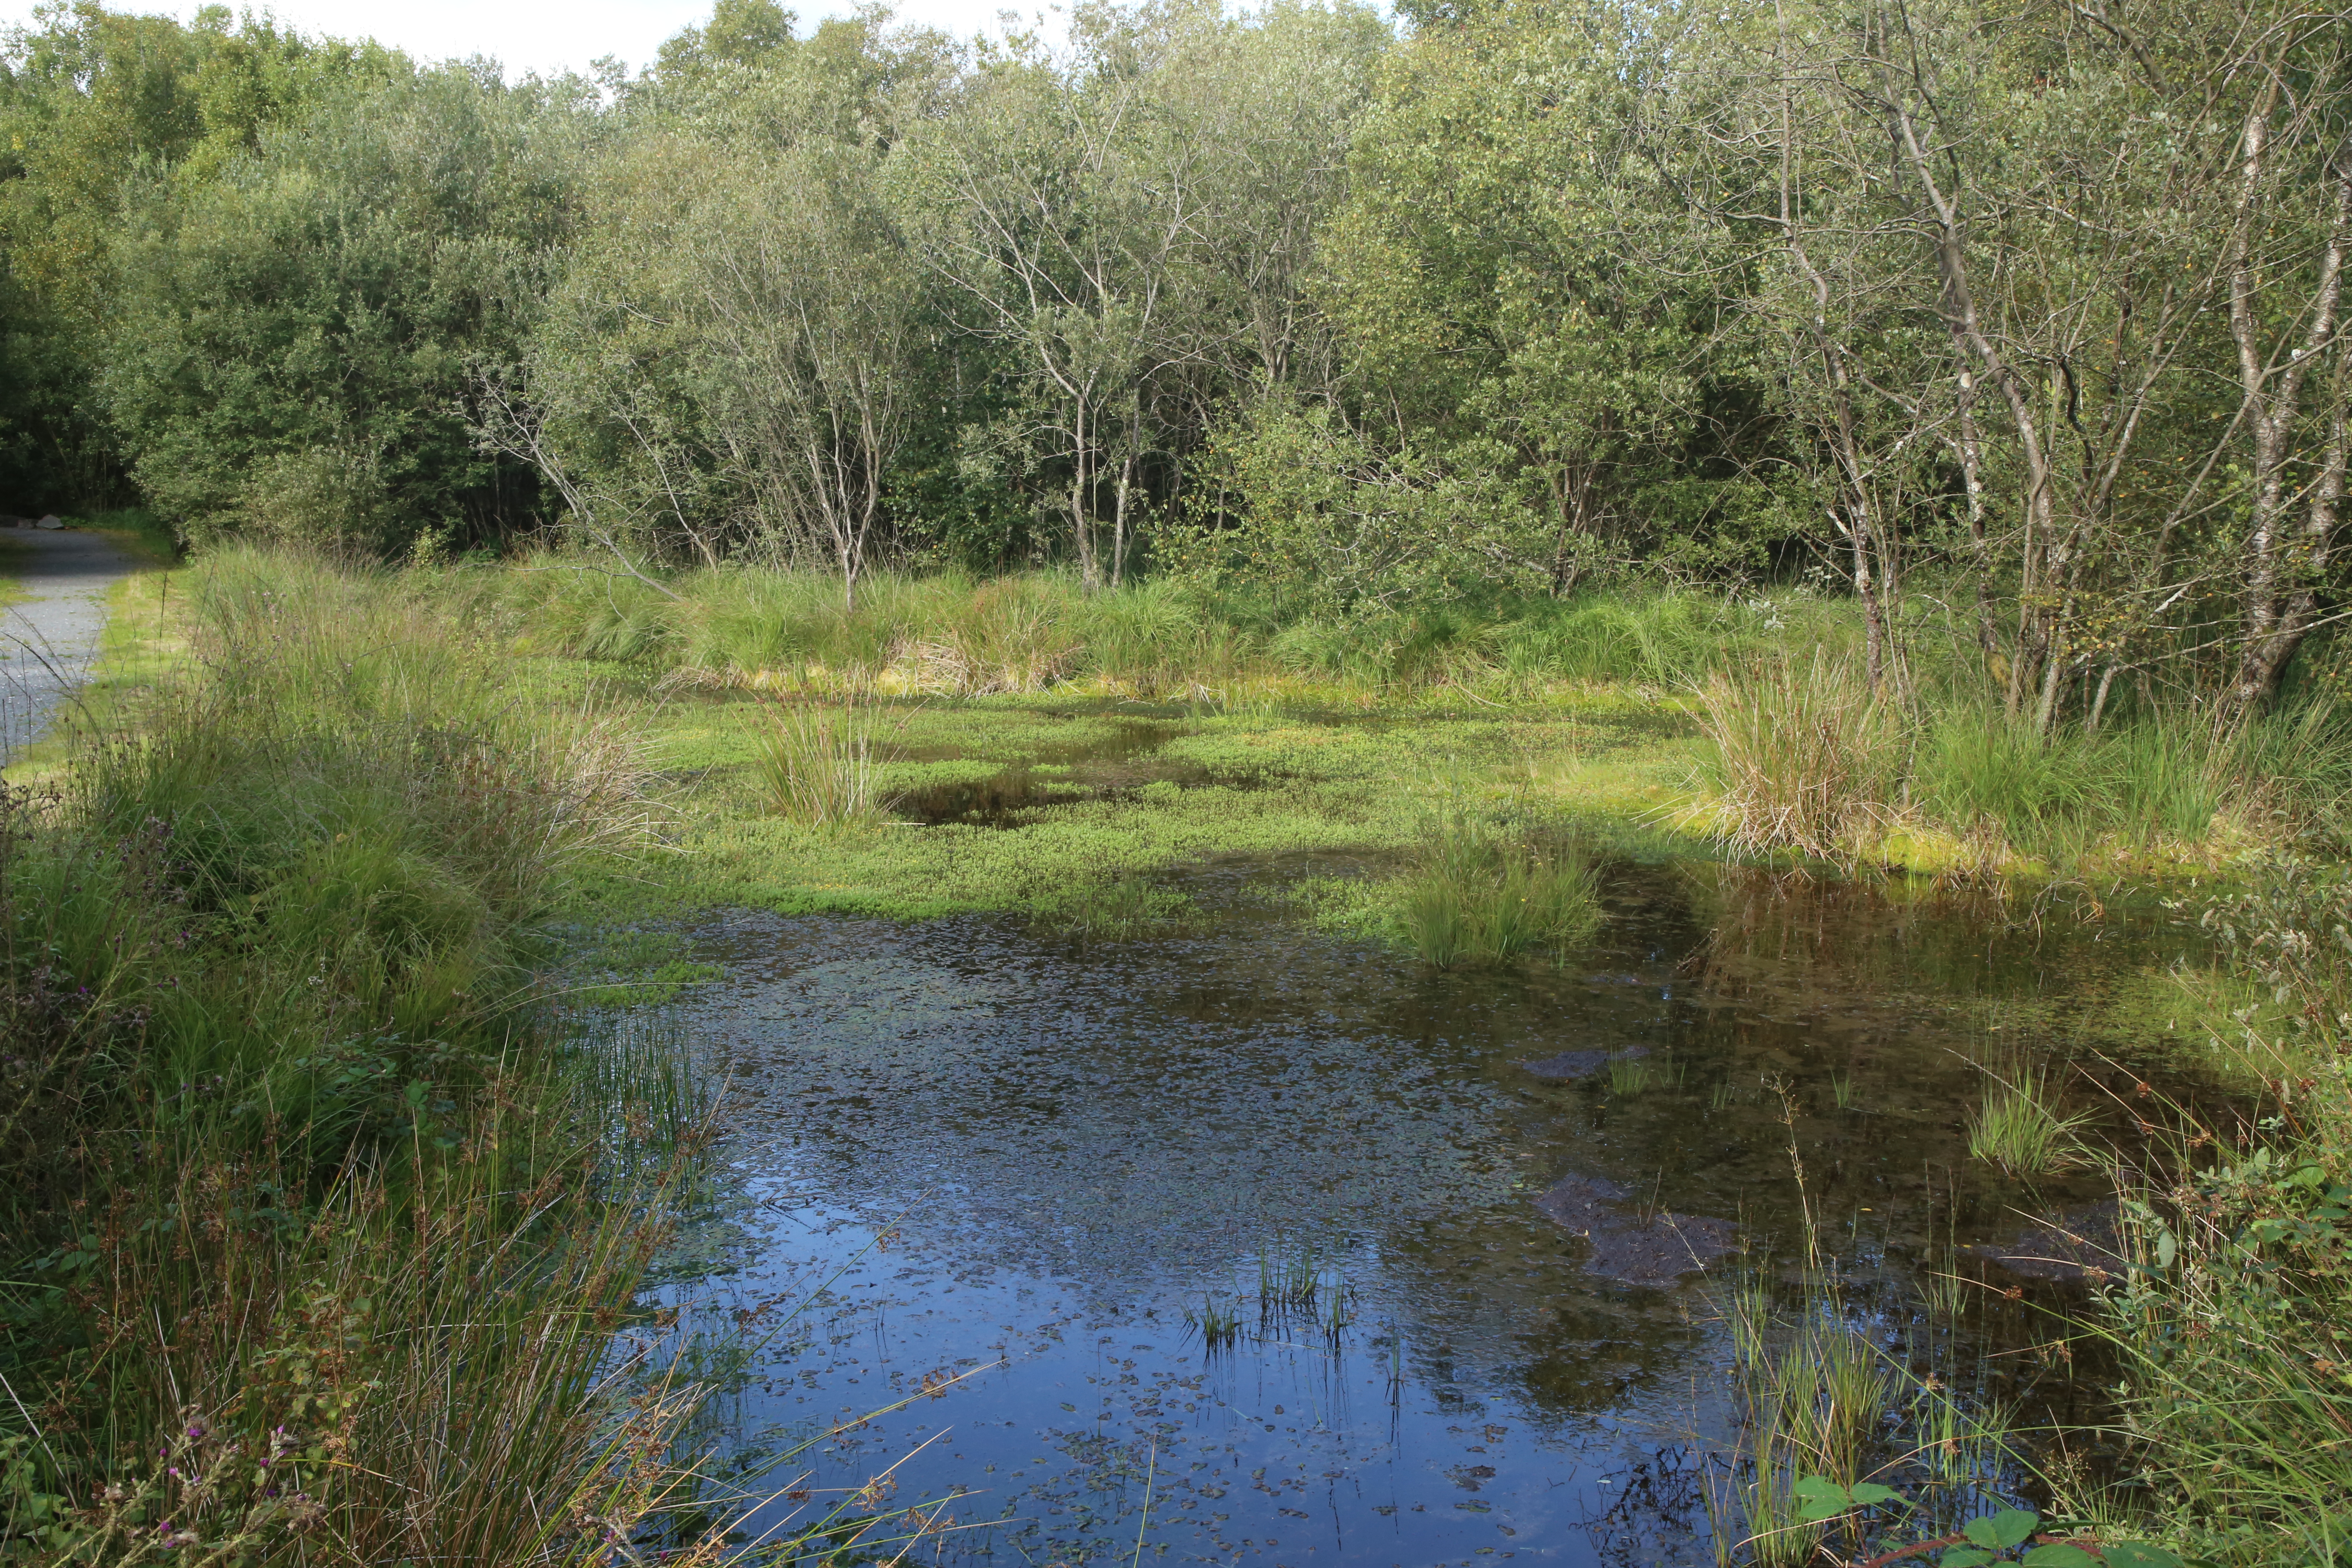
column 1093, row 795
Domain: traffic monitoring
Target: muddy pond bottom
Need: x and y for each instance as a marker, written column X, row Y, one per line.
column 1244, row 1243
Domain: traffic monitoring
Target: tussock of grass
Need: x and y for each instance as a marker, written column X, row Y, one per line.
column 1119, row 908
column 1473, row 897
column 2017, row 1125
column 1476, row 904
column 1805, row 755
column 818, row 767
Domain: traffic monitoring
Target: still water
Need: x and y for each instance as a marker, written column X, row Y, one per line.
column 1022, row 1171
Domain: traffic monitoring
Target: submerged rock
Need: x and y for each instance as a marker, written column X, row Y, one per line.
column 1655, row 1248
column 1570, row 1065
column 2086, row 1243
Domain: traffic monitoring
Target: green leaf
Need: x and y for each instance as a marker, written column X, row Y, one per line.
column 2059, row 1556
column 2138, row 1554
column 1963, row 1557
column 1819, row 1498
column 2014, row 1526
column 1868, row 1494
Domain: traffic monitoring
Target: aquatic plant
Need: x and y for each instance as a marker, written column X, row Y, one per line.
column 1630, row 1076
column 1842, row 1090
column 1289, row 1275
column 1219, row 1325
column 1803, row 754
column 1475, row 898
column 818, row 767
column 2017, row 1125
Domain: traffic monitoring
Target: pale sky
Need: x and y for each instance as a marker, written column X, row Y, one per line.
column 543, row 35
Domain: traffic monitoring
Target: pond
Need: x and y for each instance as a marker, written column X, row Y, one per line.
column 1246, row 1243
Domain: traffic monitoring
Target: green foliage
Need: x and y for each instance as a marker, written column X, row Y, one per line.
column 92, row 105
column 2006, row 1535
column 294, row 344
column 1515, row 286
column 300, row 1177
column 1475, row 899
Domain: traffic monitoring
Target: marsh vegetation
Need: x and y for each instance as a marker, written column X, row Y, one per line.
column 1310, row 494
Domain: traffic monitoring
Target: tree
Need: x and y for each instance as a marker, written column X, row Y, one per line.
column 730, row 358
column 296, row 342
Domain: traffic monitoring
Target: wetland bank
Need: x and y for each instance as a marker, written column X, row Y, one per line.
column 1343, row 1256
column 1325, row 783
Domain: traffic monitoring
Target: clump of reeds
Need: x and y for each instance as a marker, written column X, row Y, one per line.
column 2018, row 1126
column 1803, row 754
column 1475, row 898
column 817, row 764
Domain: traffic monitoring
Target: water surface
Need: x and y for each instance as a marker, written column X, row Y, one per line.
column 964, row 1147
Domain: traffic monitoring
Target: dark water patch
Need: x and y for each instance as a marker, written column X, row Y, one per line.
column 1629, row 1243
column 991, row 1145
column 2085, row 1244
column 1566, row 1066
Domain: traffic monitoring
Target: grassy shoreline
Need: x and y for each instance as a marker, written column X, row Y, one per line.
column 304, row 1168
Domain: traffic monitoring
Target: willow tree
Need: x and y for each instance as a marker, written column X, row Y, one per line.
column 729, row 358
column 1132, row 227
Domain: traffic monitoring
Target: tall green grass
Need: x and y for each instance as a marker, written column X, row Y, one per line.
column 950, row 634
column 1803, row 755
column 1475, row 898
column 317, row 1221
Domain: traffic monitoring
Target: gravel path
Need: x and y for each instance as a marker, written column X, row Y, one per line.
column 49, row 641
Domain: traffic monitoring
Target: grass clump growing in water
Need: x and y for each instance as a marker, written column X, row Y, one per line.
column 817, row 765
column 1475, row 899
column 2017, row 1125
